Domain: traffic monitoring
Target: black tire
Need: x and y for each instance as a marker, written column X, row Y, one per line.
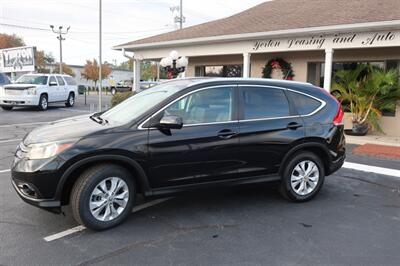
column 85, row 185
column 286, row 188
column 71, row 100
column 7, row 108
column 113, row 91
column 43, row 102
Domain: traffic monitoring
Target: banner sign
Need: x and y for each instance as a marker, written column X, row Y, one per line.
column 336, row 41
column 19, row 59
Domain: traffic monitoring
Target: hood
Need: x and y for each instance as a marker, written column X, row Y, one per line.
column 65, row 129
column 20, row 86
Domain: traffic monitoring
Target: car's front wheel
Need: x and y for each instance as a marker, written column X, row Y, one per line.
column 7, row 108
column 43, row 102
column 113, row 91
column 71, row 100
column 103, row 196
column 302, row 177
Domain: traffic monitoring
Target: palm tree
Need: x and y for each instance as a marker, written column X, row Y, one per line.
column 368, row 90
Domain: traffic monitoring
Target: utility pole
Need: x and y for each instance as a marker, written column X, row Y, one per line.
column 177, row 12
column 60, row 37
column 181, row 15
column 100, row 60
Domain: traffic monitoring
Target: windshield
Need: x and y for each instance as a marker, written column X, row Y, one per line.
column 140, row 103
column 32, row 79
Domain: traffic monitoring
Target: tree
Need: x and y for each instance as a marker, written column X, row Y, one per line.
column 42, row 60
column 10, row 41
column 91, row 71
column 67, row 70
column 368, row 91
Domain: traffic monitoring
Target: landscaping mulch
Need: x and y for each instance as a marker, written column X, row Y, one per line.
column 380, row 151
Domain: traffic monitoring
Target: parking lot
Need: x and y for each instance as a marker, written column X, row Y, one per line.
column 354, row 220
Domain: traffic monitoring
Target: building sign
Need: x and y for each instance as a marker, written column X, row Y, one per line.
column 19, row 59
column 336, row 41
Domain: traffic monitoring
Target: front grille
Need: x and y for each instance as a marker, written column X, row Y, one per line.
column 13, row 91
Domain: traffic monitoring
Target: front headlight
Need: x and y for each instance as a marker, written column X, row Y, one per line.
column 47, row 150
column 31, row 91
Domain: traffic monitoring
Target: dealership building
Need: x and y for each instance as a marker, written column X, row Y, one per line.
column 313, row 38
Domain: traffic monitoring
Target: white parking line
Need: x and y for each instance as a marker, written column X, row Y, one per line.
column 75, row 110
column 5, row 171
column 81, row 227
column 25, row 124
column 10, row 140
column 372, row 169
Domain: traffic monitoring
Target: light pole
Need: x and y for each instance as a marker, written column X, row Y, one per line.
column 174, row 64
column 181, row 15
column 60, row 37
column 100, row 60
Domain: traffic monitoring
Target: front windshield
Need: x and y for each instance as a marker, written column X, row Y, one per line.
column 140, row 103
column 32, row 79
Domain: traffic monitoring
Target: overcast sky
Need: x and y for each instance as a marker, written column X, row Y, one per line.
column 123, row 21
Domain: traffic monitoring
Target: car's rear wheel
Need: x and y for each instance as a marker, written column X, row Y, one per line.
column 43, row 102
column 7, row 108
column 71, row 100
column 103, row 196
column 302, row 177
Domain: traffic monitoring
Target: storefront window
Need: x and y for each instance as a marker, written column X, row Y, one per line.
column 219, row 71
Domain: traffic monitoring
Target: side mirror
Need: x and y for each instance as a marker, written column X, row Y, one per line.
column 53, row 83
column 171, row 122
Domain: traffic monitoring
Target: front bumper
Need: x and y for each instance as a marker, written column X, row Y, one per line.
column 47, row 204
column 19, row 100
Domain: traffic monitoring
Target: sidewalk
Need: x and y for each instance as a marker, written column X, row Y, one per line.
column 374, row 139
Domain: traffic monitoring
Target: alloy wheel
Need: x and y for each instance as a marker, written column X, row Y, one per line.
column 44, row 103
column 304, row 178
column 109, row 199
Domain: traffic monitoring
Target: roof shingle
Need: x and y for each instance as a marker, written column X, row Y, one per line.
column 287, row 14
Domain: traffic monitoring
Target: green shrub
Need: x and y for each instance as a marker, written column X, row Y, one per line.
column 120, row 97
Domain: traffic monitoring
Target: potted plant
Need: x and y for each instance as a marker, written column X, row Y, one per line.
column 365, row 92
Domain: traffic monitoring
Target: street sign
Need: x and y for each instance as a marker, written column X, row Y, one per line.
column 18, row 59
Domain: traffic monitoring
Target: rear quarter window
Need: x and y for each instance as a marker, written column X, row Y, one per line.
column 304, row 104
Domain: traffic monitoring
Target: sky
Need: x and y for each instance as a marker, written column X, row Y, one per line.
column 123, row 21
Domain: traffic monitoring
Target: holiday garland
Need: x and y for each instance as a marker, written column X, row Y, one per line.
column 278, row 63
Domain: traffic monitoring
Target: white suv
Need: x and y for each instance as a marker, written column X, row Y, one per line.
column 39, row 90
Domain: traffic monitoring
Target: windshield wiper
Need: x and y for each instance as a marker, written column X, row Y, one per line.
column 98, row 119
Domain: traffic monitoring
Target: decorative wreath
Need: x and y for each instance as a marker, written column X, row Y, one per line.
column 278, row 63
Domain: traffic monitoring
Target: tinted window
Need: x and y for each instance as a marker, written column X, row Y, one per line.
column 52, row 79
column 206, row 106
column 69, row 80
column 60, row 81
column 304, row 104
column 2, row 79
column 264, row 103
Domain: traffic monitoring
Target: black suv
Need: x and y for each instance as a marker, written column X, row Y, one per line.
column 181, row 135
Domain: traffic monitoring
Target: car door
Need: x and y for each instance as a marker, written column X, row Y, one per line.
column 62, row 88
column 53, row 93
column 268, row 128
column 206, row 148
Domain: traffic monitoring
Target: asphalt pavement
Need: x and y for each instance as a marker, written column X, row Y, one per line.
column 355, row 220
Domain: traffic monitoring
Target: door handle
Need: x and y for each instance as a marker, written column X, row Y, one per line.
column 226, row 134
column 294, row 125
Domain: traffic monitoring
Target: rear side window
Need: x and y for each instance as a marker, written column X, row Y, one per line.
column 69, row 80
column 60, row 81
column 264, row 102
column 304, row 104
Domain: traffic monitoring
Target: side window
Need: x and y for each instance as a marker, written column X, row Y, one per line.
column 205, row 106
column 60, row 81
column 304, row 105
column 52, row 79
column 70, row 81
column 259, row 102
